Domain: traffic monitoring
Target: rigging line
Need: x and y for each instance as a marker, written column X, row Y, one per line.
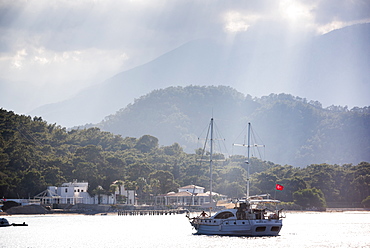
column 203, row 131
column 256, row 134
column 218, row 133
column 204, row 149
column 205, row 143
column 30, row 137
column 24, row 136
column 255, row 141
column 241, row 133
column 244, row 142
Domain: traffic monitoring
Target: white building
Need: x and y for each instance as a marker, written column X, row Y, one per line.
column 120, row 196
column 188, row 195
column 76, row 192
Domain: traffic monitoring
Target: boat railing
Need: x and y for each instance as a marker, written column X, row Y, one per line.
column 281, row 213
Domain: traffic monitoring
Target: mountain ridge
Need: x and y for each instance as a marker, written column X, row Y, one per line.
column 329, row 70
column 295, row 131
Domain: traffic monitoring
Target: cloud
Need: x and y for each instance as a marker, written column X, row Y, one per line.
column 74, row 44
column 237, row 22
column 341, row 10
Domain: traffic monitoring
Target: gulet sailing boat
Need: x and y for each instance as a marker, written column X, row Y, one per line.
column 247, row 218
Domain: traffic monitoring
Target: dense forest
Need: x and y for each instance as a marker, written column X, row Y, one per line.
column 35, row 154
column 296, row 131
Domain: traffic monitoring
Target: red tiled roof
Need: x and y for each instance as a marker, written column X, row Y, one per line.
column 192, row 187
column 184, row 193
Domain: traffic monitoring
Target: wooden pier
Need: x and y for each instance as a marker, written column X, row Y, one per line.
column 148, row 212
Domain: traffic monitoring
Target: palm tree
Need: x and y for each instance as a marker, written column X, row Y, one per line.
column 128, row 186
column 98, row 191
column 141, row 183
column 113, row 189
column 155, row 184
column 119, row 183
column 134, row 187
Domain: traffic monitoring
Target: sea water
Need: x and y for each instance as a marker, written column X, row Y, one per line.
column 300, row 229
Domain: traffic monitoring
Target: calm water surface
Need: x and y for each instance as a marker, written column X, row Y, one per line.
column 300, row 229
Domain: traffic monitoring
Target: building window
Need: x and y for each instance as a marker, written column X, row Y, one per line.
column 66, row 190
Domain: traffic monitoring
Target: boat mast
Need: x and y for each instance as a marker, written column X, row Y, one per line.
column 210, row 163
column 248, row 145
column 247, row 162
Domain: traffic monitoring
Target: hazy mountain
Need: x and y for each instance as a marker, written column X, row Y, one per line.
column 332, row 68
column 295, row 131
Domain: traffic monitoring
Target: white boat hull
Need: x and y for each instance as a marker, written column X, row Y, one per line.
column 263, row 227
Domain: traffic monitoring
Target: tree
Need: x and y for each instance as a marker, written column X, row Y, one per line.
column 89, row 163
column 310, row 198
column 53, row 176
column 130, row 185
column 113, row 189
column 32, row 183
column 233, row 189
column 139, row 169
column 147, row 143
column 119, row 183
column 141, row 188
column 155, row 185
column 366, row 202
column 166, row 180
column 98, row 191
column 173, row 150
column 321, row 177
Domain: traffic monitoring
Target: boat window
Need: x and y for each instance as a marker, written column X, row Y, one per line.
column 275, row 228
column 224, row 215
column 260, row 229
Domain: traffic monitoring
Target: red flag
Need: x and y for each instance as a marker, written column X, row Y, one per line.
column 279, row 187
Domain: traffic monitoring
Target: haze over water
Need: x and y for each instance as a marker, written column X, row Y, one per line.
column 300, row 229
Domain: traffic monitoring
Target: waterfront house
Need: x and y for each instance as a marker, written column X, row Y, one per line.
column 190, row 195
column 76, row 192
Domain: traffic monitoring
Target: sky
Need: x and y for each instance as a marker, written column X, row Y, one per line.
column 50, row 50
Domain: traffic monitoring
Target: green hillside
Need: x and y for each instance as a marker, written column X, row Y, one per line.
column 35, row 154
column 295, row 131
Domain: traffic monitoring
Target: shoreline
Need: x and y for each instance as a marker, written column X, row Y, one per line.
column 62, row 213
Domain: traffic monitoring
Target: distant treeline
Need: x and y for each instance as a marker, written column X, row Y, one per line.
column 35, row 154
